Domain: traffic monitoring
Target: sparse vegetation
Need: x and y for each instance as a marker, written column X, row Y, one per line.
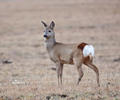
column 26, row 73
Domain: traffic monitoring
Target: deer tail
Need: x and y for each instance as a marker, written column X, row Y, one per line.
column 88, row 50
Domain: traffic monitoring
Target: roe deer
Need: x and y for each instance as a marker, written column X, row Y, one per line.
column 61, row 54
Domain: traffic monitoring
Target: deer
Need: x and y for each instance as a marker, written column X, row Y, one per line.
column 74, row 54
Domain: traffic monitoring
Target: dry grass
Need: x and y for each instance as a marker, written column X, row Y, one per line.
column 29, row 76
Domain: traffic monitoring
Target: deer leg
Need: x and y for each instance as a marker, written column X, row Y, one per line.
column 78, row 63
column 57, row 69
column 80, row 71
column 95, row 69
column 59, row 72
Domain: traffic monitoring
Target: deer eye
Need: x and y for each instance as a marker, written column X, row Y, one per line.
column 49, row 31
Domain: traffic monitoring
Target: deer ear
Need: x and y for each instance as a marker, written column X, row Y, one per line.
column 44, row 23
column 52, row 25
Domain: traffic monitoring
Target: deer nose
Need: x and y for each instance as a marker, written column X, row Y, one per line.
column 45, row 36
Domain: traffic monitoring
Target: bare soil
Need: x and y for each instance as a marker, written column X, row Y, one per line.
column 25, row 68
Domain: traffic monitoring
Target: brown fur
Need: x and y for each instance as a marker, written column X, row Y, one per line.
column 82, row 45
column 87, row 59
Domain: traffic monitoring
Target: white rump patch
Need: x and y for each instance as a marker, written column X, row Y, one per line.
column 88, row 50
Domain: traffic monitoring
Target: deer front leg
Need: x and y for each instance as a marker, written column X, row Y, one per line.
column 59, row 69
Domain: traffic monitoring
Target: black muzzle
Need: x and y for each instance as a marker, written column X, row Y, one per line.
column 45, row 36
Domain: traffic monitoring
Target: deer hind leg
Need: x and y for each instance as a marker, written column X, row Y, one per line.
column 80, row 71
column 95, row 69
column 59, row 67
column 78, row 64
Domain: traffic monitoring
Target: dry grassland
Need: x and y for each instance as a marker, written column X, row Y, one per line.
column 25, row 68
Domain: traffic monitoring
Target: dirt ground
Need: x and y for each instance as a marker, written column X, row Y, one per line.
column 25, row 68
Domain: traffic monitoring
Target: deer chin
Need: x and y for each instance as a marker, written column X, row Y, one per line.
column 46, row 38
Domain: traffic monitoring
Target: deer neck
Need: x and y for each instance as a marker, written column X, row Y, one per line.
column 50, row 43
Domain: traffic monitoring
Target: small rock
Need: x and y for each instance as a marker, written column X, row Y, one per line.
column 53, row 69
column 63, row 96
column 117, row 60
column 48, row 97
column 6, row 62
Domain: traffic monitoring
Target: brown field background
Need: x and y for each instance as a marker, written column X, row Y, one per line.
column 25, row 68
